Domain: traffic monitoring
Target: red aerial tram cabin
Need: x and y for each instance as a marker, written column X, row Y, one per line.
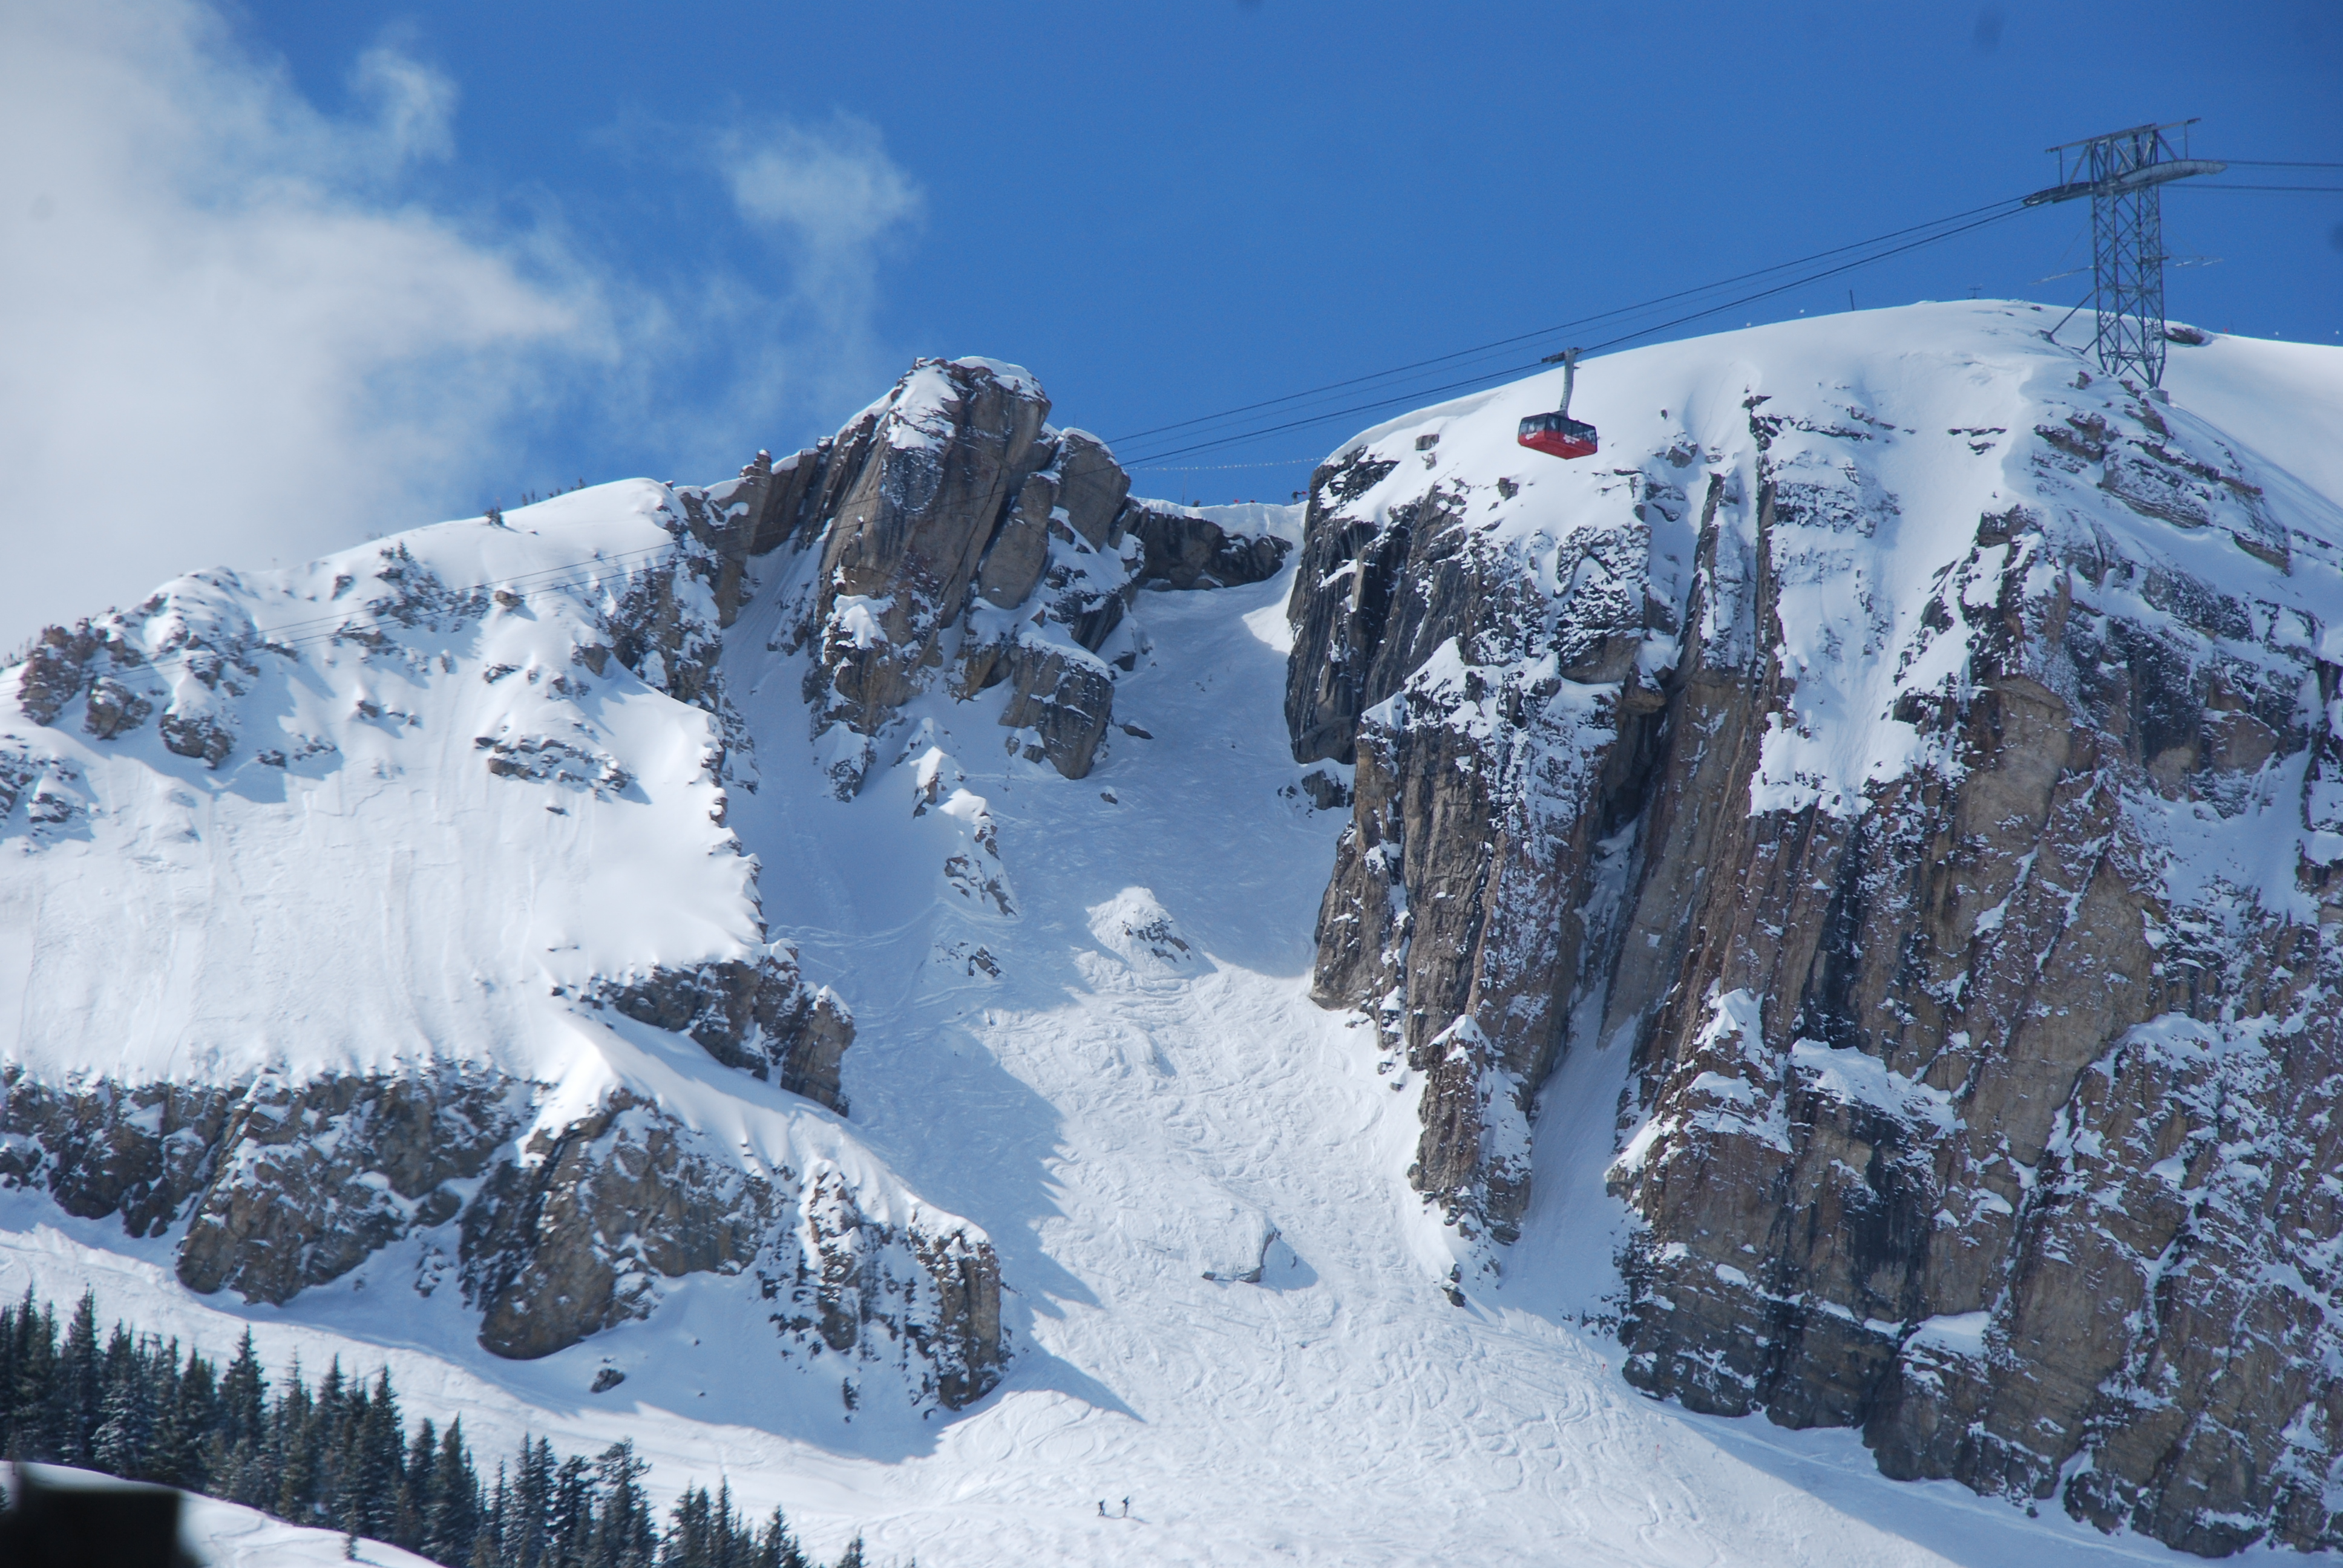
column 1557, row 435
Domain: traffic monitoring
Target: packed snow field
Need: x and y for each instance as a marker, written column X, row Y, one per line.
column 1121, row 1080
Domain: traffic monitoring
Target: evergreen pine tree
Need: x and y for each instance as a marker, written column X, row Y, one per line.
column 852, row 1557
column 186, row 1419
column 11, row 1349
column 687, row 1545
column 625, row 1537
column 292, row 1457
column 75, row 1400
column 452, row 1507
column 166, row 1460
column 777, row 1548
column 370, row 1475
column 339, row 1407
column 29, row 1396
column 542, row 1506
column 243, row 1390
column 406, row 1526
column 490, row 1542
column 733, row 1539
column 235, row 1455
column 569, row 1531
column 125, row 1411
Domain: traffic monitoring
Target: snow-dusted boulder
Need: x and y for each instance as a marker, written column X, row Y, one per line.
column 1136, row 928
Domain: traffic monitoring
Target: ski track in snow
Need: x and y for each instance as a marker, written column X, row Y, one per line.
column 1120, row 1125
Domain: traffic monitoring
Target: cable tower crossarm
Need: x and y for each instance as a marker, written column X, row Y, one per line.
column 2124, row 173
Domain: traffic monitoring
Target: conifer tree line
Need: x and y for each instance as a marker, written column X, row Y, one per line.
column 340, row 1456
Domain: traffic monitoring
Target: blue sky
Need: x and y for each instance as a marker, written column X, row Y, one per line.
column 503, row 246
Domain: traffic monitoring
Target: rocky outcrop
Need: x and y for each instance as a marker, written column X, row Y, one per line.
column 308, row 1180
column 953, row 445
column 1982, row 1097
column 154, row 646
column 190, row 653
column 948, row 538
column 1185, row 550
column 762, row 1017
column 559, row 1233
column 1486, row 723
column 57, row 668
column 576, row 1236
column 1967, row 1035
column 141, row 1152
column 279, row 1185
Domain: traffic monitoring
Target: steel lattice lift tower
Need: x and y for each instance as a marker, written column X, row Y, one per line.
column 2124, row 173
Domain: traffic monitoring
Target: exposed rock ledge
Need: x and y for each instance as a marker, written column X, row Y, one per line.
column 561, row 1231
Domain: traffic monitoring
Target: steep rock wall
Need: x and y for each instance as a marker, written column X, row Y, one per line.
column 1961, row 882
column 950, row 537
column 557, row 1232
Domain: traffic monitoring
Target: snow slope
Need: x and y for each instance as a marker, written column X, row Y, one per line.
column 316, row 900
column 226, row 1535
column 1119, row 1077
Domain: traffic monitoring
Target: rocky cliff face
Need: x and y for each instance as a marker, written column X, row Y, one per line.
column 950, row 537
column 555, row 1229
column 574, row 1236
column 421, row 856
column 1927, row 774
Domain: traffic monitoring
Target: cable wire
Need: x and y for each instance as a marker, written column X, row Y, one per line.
column 1563, row 326
column 2011, row 209
column 292, row 635
column 1153, row 458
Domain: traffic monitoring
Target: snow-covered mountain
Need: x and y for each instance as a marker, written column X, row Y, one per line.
column 1831, row 892
column 1920, row 759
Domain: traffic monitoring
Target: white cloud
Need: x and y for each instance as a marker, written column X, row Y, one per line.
column 413, row 103
column 837, row 193
column 217, row 347
column 836, row 205
column 231, row 333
